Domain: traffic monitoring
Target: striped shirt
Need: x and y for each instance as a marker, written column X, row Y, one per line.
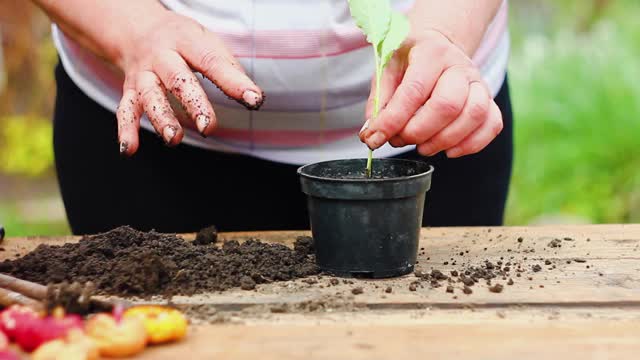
column 310, row 59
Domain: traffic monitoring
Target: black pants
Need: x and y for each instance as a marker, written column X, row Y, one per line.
column 183, row 189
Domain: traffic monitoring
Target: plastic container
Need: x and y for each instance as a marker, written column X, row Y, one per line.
column 366, row 227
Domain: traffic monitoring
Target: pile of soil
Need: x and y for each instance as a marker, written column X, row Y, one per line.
column 127, row 262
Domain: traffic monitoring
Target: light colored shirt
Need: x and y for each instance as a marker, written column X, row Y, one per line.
column 309, row 58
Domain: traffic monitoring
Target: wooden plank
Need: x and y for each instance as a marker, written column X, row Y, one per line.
column 585, row 316
column 497, row 339
column 611, row 252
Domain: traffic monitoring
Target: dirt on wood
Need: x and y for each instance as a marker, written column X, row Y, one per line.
column 127, row 262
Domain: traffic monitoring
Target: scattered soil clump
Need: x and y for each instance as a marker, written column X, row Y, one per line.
column 555, row 243
column 128, row 262
column 207, row 236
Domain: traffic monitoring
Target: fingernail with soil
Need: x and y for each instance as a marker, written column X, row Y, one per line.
column 123, row 147
column 376, row 140
column 202, row 121
column 168, row 133
column 251, row 97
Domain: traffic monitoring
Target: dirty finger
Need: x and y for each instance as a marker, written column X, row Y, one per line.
column 154, row 100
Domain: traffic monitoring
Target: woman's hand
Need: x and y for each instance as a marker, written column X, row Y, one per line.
column 433, row 96
column 157, row 50
column 158, row 60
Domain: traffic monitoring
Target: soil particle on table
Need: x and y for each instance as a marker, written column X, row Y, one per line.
column 388, row 290
column 536, row 268
column 206, row 236
column 357, row 290
column 128, row 262
column 247, row 283
column 496, row 288
column 467, row 290
column 555, row 243
column 510, row 282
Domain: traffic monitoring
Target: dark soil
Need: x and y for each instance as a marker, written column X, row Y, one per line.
column 206, row 236
column 555, row 243
column 128, row 262
column 356, row 169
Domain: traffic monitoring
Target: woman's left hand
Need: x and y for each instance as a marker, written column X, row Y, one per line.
column 433, row 96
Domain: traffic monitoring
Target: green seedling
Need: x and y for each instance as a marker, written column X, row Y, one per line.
column 385, row 29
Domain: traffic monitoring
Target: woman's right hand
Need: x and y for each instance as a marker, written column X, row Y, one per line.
column 159, row 58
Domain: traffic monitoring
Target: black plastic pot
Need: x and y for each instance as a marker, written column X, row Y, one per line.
column 366, row 227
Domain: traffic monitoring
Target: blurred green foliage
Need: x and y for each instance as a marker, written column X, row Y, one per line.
column 576, row 98
column 16, row 225
column 30, row 141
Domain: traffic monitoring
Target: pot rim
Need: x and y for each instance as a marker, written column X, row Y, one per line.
column 301, row 169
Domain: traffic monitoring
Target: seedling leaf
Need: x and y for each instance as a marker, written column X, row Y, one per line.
column 398, row 31
column 385, row 30
column 373, row 17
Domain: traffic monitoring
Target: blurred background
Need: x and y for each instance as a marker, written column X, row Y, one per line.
column 575, row 82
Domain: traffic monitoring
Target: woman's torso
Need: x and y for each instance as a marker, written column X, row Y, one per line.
column 313, row 64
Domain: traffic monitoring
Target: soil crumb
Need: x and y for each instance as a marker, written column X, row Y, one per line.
column 357, row 291
column 127, row 262
column 206, row 236
column 555, row 243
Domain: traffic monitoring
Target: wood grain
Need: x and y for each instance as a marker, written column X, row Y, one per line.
column 578, row 313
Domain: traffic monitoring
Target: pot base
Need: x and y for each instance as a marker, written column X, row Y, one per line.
column 380, row 274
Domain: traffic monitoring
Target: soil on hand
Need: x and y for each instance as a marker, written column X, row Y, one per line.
column 128, row 262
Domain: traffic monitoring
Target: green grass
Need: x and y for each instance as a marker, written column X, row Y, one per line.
column 577, row 113
column 16, row 226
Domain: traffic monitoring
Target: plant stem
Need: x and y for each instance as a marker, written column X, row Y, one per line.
column 376, row 108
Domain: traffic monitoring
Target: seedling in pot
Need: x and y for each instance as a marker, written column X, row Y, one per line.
column 385, row 29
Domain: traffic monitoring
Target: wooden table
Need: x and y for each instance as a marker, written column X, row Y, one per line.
column 585, row 309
